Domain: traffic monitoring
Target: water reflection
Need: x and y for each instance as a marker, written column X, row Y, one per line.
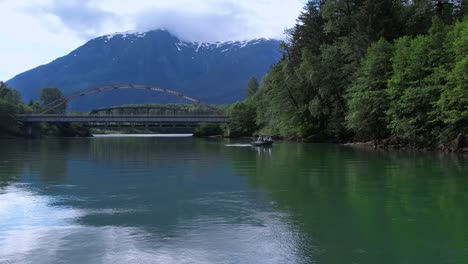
column 264, row 150
column 126, row 200
column 368, row 207
column 33, row 230
column 28, row 225
column 152, row 200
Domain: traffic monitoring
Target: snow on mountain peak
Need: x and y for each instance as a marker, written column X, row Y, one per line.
column 181, row 44
column 223, row 46
column 126, row 34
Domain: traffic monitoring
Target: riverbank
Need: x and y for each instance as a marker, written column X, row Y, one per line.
column 394, row 143
column 140, row 135
column 407, row 147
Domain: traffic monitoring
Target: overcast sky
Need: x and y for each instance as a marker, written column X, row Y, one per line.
column 35, row 32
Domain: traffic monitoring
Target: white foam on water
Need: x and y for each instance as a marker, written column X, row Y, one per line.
column 238, row 145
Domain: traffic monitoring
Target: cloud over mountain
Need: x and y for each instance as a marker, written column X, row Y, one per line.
column 46, row 29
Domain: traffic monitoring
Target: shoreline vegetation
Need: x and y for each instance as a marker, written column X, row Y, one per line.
column 393, row 74
column 11, row 105
column 385, row 74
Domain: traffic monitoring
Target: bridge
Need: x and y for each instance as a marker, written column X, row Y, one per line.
column 160, row 119
column 44, row 115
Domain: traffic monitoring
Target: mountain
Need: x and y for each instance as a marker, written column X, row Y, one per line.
column 212, row 72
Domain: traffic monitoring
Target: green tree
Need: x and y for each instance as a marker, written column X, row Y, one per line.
column 278, row 103
column 9, row 95
column 8, row 122
column 51, row 95
column 453, row 103
column 208, row 129
column 447, row 10
column 356, row 24
column 367, row 97
column 463, row 9
column 252, row 87
column 308, row 32
column 10, row 106
column 378, row 68
column 242, row 119
column 417, row 17
column 420, row 74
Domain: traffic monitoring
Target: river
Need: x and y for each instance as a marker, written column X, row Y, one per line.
column 187, row 200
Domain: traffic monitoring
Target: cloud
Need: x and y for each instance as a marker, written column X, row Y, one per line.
column 202, row 20
column 223, row 20
column 195, row 26
column 42, row 30
column 31, row 39
column 81, row 16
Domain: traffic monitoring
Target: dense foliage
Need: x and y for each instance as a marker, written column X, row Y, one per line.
column 369, row 70
column 242, row 119
column 203, row 130
column 252, row 87
column 48, row 96
column 159, row 109
column 208, row 130
column 11, row 106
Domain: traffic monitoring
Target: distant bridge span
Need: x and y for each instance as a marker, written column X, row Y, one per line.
column 160, row 120
column 49, row 107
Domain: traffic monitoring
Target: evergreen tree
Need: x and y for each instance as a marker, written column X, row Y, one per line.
column 10, row 95
column 8, row 123
column 417, row 17
column 308, row 31
column 378, row 68
column 10, row 106
column 252, row 87
column 51, row 95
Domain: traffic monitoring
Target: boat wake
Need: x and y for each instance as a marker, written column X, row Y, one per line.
column 238, row 145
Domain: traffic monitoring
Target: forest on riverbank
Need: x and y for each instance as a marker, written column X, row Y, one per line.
column 388, row 71
column 11, row 106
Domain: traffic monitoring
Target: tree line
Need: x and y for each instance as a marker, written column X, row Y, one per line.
column 390, row 71
column 11, row 106
column 158, row 109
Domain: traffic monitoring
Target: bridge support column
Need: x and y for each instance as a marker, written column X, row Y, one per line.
column 28, row 127
column 227, row 131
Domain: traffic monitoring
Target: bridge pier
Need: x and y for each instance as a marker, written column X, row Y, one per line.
column 227, row 131
column 28, row 127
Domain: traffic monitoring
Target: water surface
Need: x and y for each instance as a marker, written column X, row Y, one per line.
column 185, row 200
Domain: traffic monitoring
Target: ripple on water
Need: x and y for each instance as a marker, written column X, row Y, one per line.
column 33, row 230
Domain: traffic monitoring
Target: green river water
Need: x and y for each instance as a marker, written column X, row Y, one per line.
column 186, row 200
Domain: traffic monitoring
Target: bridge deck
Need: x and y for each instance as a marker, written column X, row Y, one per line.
column 124, row 118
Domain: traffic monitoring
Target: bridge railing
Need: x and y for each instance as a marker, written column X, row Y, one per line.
column 124, row 118
column 121, row 115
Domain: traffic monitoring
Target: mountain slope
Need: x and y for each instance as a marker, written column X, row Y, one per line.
column 212, row 72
